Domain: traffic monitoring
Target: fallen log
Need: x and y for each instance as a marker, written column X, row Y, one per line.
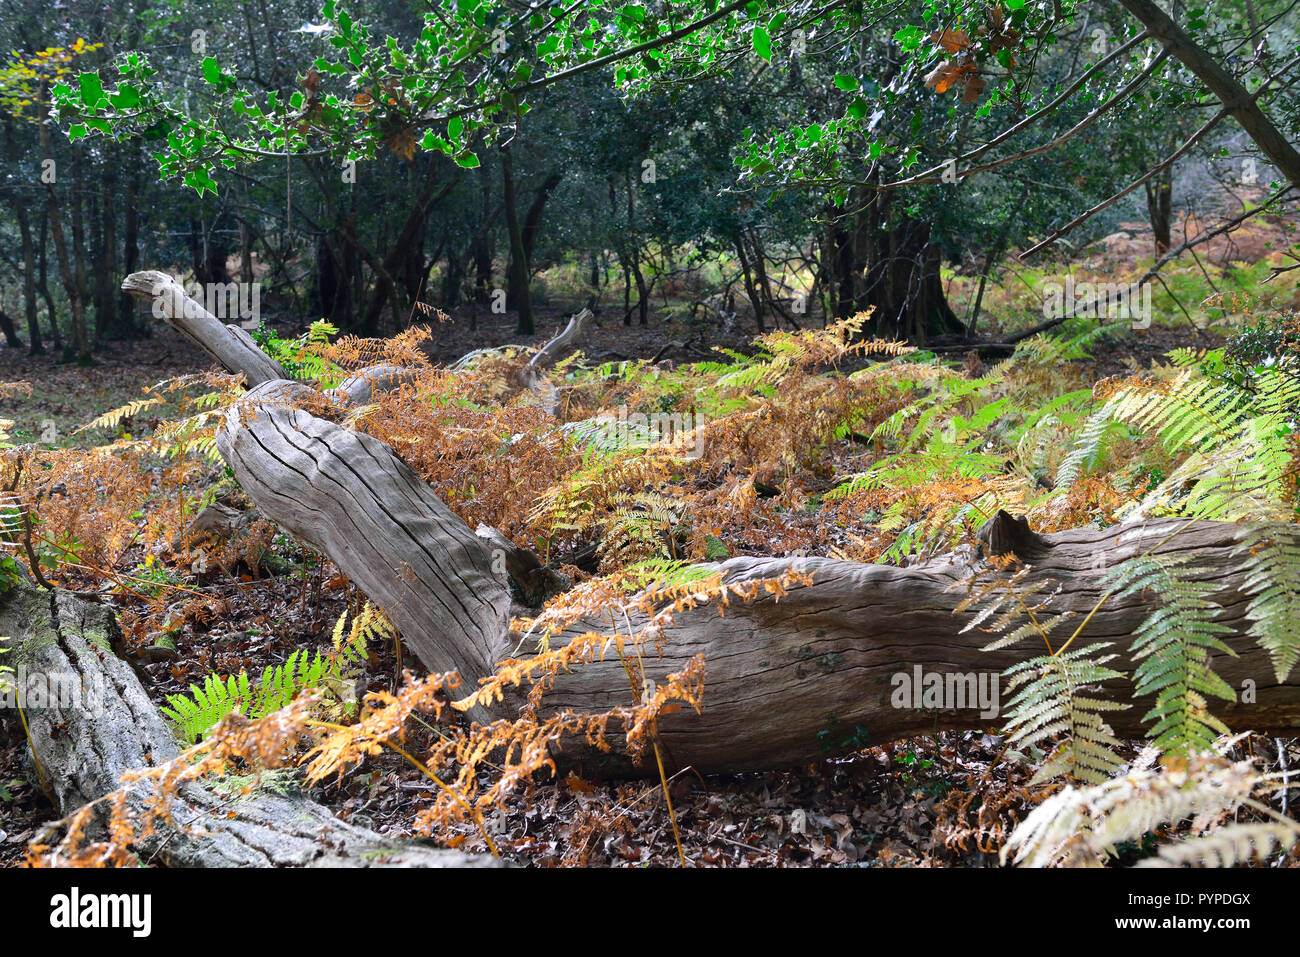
column 228, row 344
column 787, row 681
column 91, row 721
column 549, row 354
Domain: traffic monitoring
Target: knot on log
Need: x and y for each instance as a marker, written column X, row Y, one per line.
column 1004, row 533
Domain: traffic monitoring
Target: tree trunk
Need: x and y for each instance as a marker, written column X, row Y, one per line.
column 409, row 237
column 130, row 250
column 779, row 674
column 9, row 331
column 106, row 291
column 29, row 278
column 80, row 328
column 533, row 219
column 44, row 281
column 518, row 296
column 751, row 291
column 889, row 264
column 80, row 345
column 1159, row 193
column 228, row 344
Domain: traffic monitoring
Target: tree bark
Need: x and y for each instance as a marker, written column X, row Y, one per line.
column 29, row 279
column 10, row 331
column 43, row 282
column 517, row 280
column 74, row 289
column 130, row 250
column 533, row 218
column 1159, row 196
column 890, row 265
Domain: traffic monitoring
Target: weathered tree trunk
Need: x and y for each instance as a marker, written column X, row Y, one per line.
column 787, row 681
column 228, row 344
column 890, row 264
column 103, row 725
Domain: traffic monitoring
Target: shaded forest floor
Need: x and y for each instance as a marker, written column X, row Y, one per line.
column 944, row 800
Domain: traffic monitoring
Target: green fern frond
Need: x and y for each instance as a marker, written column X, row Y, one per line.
column 1236, row 442
column 1053, row 701
column 1173, row 646
column 1273, row 584
column 195, row 714
column 1098, row 428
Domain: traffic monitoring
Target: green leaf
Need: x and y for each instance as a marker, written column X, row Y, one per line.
column 467, row 160
column 846, row 82
column 211, row 70
column 201, row 182
column 762, row 43
column 125, row 98
column 909, row 38
column 92, row 90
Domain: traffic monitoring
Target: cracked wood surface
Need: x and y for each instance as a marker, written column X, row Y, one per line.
column 352, row 497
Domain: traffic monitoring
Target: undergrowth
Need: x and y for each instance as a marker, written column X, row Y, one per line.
column 818, row 442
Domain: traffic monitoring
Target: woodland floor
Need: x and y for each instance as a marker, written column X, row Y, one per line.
column 929, row 801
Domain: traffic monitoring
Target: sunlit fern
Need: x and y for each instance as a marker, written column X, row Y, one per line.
column 1272, row 581
column 1055, row 702
column 1172, row 646
column 1236, row 443
column 1083, row 827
